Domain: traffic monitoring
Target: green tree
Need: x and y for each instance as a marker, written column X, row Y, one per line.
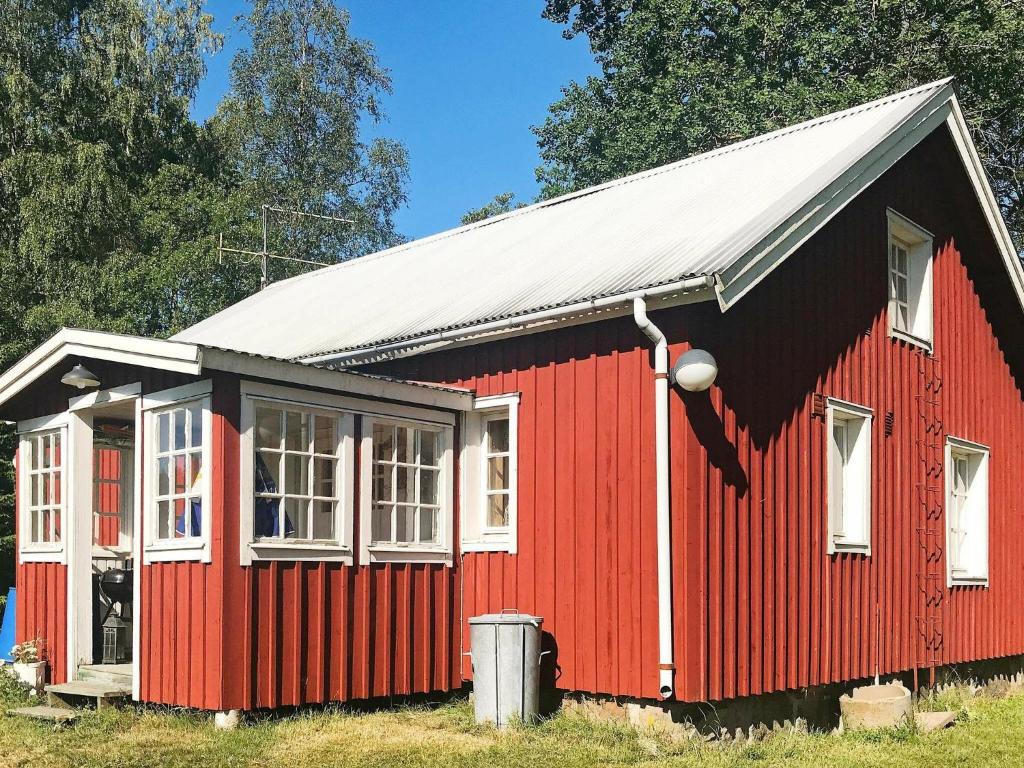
column 680, row 77
column 500, row 204
column 293, row 125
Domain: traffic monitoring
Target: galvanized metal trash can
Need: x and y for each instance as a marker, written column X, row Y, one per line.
column 506, row 666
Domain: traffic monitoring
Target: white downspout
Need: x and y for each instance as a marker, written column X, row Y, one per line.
column 666, row 667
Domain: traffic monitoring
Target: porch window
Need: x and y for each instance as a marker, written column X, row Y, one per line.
column 298, row 456
column 849, row 477
column 966, row 512
column 43, row 490
column 409, row 500
column 490, row 475
column 910, row 281
column 177, row 426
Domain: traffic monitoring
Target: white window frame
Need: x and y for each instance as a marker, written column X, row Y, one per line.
column 255, row 550
column 837, row 542
column 196, row 548
column 477, row 536
column 441, row 551
column 978, row 498
column 55, row 552
column 918, row 243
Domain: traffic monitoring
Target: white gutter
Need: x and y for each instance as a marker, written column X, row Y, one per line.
column 666, row 667
column 687, row 285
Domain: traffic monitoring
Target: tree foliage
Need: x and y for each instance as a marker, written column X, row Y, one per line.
column 112, row 197
column 680, row 77
column 500, row 204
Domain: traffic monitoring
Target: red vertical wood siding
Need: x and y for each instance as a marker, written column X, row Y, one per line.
column 759, row 605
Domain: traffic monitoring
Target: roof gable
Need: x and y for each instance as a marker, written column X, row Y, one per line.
column 725, row 219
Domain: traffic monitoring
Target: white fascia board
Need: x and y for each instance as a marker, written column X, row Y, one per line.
column 796, row 228
column 337, row 381
column 71, row 342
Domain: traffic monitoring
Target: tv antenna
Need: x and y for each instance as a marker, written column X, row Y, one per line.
column 264, row 255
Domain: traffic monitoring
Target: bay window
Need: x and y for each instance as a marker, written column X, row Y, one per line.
column 490, row 475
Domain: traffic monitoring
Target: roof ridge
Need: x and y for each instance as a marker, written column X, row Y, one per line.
column 622, row 180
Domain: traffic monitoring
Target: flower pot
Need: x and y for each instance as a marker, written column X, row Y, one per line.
column 33, row 675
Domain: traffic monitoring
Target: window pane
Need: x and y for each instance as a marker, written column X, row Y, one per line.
column 195, row 473
column 428, row 486
column 56, row 516
column 180, row 521
column 36, row 483
column 404, row 524
column 323, row 477
column 55, row 486
column 163, row 431
column 403, row 437
column 34, row 452
column 497, row 473
column 46, row 451
column 34, row 534
column 428, row 525
column 428, row 448
column 180, row 473
column 382, row 482
column 380, row 524
column 324, row 436
column 45, row 527
column 296, row 475
column 296, row 518
column 195, row 415
column 163, row 520
column 323, row 520
column 383, row 442
column 47, row 488
column 179, row 428
column 901, row 290
column 497, row 436
column 268, row 428
column 901, row 260
column 296, row 431
column 497, row 510
column 405, row 486
column 268, row 473
column 195, row 506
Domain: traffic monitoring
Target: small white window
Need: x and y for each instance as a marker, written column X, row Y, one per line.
column 849, row 477
column 490, row 475
column 177, row 426
column 910, row 281
column 42, row 469
column 966, row 512
column 406, row 491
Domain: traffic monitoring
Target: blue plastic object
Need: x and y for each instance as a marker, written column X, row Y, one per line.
column 7, row 627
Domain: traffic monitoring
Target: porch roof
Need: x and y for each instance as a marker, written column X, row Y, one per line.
column 196, row 359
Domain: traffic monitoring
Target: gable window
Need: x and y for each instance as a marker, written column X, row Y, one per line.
column 407, row 489
column 43, row 485
column 966, row 511
column 910, row 281
column 849, row 477
column 490, row 472
column 297, row 448
column 177, row 426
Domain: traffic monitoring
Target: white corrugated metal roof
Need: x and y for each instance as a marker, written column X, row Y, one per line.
column 699, row 216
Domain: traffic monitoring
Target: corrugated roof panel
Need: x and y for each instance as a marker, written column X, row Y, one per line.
column 694, row 217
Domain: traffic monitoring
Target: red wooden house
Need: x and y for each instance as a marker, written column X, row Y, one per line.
column 318, row 486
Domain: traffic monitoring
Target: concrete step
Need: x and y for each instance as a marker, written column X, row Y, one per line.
column 55, row 715
column 66, row 694
column 121, row 674
column 933, row 721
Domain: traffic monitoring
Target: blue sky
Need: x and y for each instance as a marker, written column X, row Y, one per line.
column 469, row 79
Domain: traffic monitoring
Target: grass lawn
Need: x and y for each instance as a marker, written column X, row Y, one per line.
column 990, row 732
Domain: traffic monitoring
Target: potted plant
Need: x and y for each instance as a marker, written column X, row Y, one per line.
column 29, row 665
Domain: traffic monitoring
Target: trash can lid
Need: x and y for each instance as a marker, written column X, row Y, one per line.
column 506, row 617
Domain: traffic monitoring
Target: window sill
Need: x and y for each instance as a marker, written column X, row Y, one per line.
column 968, row 581
column 494, row 543
column 842, row 548
column 265, row 551
column 910, row 338
column 385, row 553
column 41, row 555
column 172, row 552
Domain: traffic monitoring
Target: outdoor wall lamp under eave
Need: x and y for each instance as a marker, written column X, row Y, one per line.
column 695, row 371
column 80, row 377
